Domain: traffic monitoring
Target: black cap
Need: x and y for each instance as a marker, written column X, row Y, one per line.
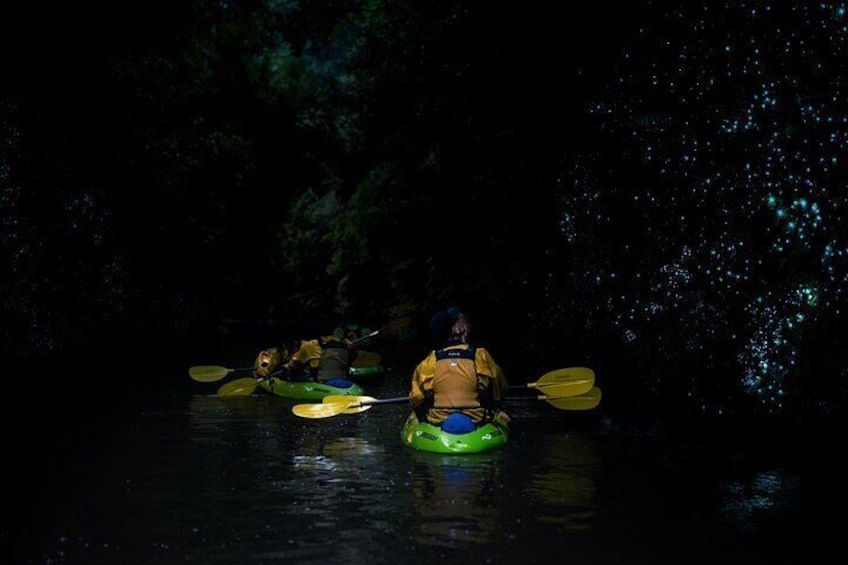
column 442, row 321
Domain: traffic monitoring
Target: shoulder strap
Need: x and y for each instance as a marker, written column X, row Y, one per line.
column 460, row 353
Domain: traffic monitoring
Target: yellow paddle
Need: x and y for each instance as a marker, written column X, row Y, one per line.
column 555, row 394
column 569, row 382
column 212, row 373
column 335, row 404
column 239, row 387
column 559, row 386
column 245, row 386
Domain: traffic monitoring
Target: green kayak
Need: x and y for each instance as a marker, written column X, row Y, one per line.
column 307, row 390
column 367, row 374
column 427, row 437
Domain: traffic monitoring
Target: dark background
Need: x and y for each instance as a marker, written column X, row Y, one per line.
column 655, row 191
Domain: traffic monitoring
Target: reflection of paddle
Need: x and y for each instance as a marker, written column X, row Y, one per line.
column 585, row 401
column 566, row 389
column 212, row 373
column 389, row 328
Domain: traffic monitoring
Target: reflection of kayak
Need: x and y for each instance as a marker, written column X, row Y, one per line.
column 427, row 437
column 307, row 390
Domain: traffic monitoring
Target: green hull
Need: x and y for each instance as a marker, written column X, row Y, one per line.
column 367, row 374
column 427, row 437
column 306, row 390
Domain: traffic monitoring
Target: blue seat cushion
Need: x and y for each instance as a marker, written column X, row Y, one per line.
column 458, row 423
column 339, row 383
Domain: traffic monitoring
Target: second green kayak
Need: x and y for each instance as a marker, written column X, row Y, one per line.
column 367, row 374
column 307, row 390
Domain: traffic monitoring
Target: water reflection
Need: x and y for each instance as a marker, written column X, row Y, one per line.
column 746, row 504
column 208, row 480
column 351, row 448
column 455, row 496
column 210, row 411
column 310, row 491
column 563, row 481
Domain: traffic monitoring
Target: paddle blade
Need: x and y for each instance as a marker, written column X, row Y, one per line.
column 566, row 388
column 238, row 387
column 354, row 403
column 366, row 359
column 582, row 402
column 320, row 410
column 208, row 373
column 396, row 325
column 565, row 375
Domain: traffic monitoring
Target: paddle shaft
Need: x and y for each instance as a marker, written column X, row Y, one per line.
column 573, row 381
column 560, row 388
column 397, row 399
column 380, row 401
column 365, row 337
column 394, row 325
column 340, row 404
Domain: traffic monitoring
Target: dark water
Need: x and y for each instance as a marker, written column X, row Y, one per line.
column 172, row 474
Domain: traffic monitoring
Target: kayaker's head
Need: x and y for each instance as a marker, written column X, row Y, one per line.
column 266, row 361
column 451, row 325
column 347, row 331
column 294, row 345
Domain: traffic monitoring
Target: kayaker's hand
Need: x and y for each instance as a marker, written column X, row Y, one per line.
column 281, row 373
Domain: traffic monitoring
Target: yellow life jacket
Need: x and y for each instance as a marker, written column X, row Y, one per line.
column 457, row 385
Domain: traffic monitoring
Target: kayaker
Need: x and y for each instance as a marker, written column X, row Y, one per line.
column 268, row 360
column 457, row 386
column 325, row 359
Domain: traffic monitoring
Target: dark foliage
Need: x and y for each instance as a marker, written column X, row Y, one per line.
column 656, row 192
